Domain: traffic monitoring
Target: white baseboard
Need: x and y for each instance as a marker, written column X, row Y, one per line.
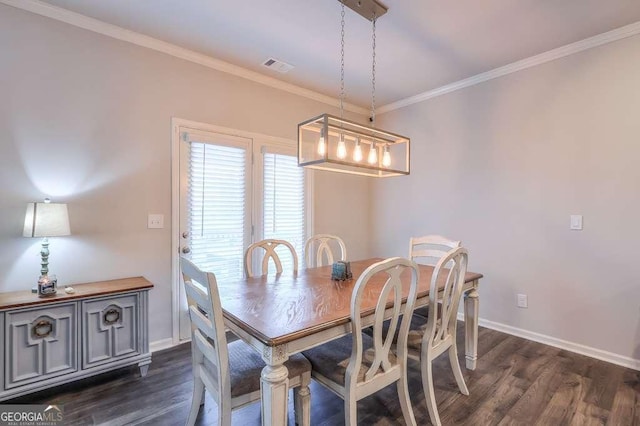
column 161, row 344
column 559, row 343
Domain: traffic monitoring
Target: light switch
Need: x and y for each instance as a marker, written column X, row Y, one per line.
column 523, row 301
column 576, row 222
column 155, row 221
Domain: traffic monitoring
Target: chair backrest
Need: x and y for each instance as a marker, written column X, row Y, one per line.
column 269, row 246
column 429, row 249
column 386, row 275
column 208, row 338
column 321, row 246
column 448, row 280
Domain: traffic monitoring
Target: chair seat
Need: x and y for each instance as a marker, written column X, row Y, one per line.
column 422, row 311
column 246, row 365
column 417, row 328
column 332, row 358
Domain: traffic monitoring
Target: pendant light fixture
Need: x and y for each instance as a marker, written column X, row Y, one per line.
column 333, row 143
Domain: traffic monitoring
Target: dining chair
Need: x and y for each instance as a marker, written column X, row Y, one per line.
column 321, row 246
column 357, row 365
column 427, row 341
column 269, row 246
column 229, row 371
column 428, row 250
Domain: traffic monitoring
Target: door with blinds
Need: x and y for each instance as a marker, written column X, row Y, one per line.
column 235, row 191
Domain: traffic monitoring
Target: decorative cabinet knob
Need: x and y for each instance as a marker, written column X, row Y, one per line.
column 186, row 250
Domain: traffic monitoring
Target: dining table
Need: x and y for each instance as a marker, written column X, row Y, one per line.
column 283, row 314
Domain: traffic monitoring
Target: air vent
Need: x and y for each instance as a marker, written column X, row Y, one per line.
column 277, row 65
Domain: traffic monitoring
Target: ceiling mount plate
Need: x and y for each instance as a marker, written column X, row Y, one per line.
column 366, row 8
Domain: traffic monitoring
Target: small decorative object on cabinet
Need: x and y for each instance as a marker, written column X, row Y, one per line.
column 100, row 326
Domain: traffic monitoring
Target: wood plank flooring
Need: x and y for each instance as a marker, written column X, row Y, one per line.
column 517, row 382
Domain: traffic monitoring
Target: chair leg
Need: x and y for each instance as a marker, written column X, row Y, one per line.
column 457, row 372
column 197, row 399
column 302, row 405
column 224, row 414
column 405, row 401
column 350, row 411
column 429, row 394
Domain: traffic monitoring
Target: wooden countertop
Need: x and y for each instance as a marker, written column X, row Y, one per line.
column 17, row 299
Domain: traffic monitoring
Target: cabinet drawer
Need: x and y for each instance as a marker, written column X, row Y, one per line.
column 110, row 329
column 40, row 343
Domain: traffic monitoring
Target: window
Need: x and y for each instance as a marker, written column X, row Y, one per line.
column 216, row 208
column 284, row 210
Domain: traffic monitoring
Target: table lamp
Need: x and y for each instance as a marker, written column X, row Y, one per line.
column 46, row 220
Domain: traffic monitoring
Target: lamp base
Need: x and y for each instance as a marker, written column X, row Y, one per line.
column 47, row 285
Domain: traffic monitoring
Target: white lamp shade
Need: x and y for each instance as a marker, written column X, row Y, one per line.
column 46, row 220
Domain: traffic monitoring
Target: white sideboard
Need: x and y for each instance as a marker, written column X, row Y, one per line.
column 49, row 341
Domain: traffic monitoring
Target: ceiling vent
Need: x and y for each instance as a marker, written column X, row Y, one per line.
column 277, row 65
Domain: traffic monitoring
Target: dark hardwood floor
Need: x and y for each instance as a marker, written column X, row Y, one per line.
column 517, row 382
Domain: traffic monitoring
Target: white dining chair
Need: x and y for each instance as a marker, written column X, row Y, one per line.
column 321, row 247
column 429, row 340
column 230, row 372
column 428, row 250
column 269, row 252
column 357, row 365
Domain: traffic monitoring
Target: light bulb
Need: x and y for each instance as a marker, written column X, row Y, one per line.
column 322, row 146
column 342, row 149
column 386, row 157
column 373, row 154
column 357, row 151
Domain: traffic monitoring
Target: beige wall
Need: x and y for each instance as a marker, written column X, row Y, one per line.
column 86, row 119
column 501, row 166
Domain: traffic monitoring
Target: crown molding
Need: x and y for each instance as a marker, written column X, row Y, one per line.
column 119, row 33
column 551, row 55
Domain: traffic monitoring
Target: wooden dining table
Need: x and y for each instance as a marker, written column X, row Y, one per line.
column 280, row 315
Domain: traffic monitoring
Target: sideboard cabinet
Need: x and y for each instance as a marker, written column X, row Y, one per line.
column 101, row 326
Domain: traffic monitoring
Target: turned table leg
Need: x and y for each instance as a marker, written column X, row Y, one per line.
column 274, row 386
column 471, row 304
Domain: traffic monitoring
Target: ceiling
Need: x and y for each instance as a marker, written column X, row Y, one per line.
column 421, row 44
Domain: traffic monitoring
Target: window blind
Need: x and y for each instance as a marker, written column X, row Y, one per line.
column 284, row 205
column 217, row 208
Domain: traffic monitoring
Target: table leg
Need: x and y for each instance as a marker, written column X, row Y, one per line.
column 471, row 304
column 274, row 386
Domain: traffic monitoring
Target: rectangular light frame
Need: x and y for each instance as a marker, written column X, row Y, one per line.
column 310, row 131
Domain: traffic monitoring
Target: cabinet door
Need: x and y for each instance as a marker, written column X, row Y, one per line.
column 40, row 343
column 110, row 329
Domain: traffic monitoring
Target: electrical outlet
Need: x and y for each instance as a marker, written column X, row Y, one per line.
column 155, row 221
column 522, row 301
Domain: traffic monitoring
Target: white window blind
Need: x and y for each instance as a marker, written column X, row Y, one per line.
column 284, row 205
column 217, row 208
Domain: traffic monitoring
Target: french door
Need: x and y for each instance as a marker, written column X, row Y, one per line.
column 234, row 190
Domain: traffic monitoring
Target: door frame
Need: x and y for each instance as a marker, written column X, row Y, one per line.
column 177, row 125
